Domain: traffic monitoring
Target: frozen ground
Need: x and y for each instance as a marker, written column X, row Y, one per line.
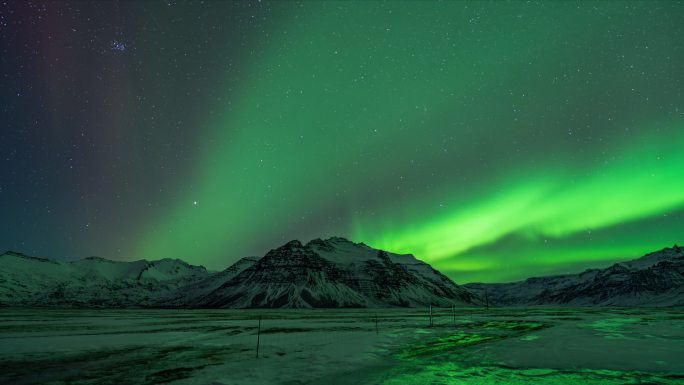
column 502, row 346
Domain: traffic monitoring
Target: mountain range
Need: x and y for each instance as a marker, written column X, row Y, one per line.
column 325, row 273
column 322, row 273
column 656, row 279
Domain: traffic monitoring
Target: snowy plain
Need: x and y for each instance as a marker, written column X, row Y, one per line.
column 342, row 346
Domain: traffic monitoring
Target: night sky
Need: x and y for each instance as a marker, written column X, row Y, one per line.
column 494, row 140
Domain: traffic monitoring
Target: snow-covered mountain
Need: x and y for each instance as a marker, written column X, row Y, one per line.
column 193, row 293
column 323, row 273
column 92, row 282
column 337, row 273
column 656, row 279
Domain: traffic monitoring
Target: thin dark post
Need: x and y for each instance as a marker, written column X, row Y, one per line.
column 453, row 312
column 430, row 315
column 258, row 336
column 376, row 324
column 486, row 300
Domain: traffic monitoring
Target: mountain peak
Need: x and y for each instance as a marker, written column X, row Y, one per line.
column 293, row 244
column 339, row 240
column 331, row 243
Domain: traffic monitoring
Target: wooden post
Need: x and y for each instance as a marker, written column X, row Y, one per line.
column 258, row 336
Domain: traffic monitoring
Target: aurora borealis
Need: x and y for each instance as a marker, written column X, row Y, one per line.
column 494, row 140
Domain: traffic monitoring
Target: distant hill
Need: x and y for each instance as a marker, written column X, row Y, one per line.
column 656, row 279
column 91, row 282
column 323, row 273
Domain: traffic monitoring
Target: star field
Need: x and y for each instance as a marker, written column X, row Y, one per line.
column 495, row 141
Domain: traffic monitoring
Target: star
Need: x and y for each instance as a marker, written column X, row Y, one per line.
column 117, row 46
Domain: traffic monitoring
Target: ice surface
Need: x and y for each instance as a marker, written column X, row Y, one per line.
column 338, row 346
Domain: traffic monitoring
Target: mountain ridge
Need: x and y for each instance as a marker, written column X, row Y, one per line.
column 334, row 272
column 655, row 279
column 322, row 273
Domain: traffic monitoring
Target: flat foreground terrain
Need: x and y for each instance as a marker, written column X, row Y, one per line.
column 355, row 346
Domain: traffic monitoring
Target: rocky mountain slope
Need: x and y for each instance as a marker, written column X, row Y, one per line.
column 322, row 273
column 337, row 273
column 656, row 279
column 192, row 294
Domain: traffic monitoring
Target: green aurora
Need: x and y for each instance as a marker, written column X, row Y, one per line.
column 495, row 141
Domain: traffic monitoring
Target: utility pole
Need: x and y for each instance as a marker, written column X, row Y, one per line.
column 258, row 336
